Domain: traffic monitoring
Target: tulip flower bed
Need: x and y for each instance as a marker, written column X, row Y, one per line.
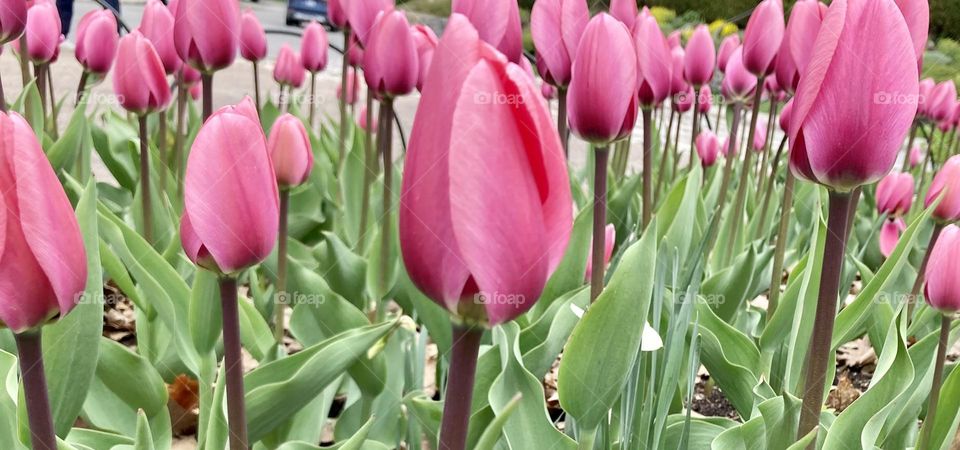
column 775, row 268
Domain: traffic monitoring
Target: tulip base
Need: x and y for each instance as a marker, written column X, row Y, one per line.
column 459, row 394
column 233, row 363
column 599, row 220
column 930, row 419
column 841, row 204
column 30, row 352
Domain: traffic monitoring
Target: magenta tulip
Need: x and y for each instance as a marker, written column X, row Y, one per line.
column 917, row 15
column 157, row 25
column 927, row 86
column 674, row 40
column 230, row 214
column 188, row 75
column 787, row 75
column 700, row 57
column 760, row 137
column 556, row 27
column 890, row 234
column 708, row 148
column 738, row 81
column 706, row 101
column 390, row 60
column 624, row 11
column 141, row 86
column 337, row 14
column 802, row 29
column 916, row 156
column 946, row 183
column 549, row 92
column 943, row 286
column 43, row 265
column 684, row 100
column 253, row 39
column 97, row 41
column 602, row 97
column 498, row 22
column 362, row 120
column 207, row 33
column 42, row 32
column 353, row 88
column 355, row 56
column 843, row 133
column 361, row 16
column 895, row 194
column 456, row 251
column 677, row 83
column 727, row 46
column 426, row 41
column 610, row 238
column 288, row 70
column 313, row 48
column 654, row 62
column 942, row 98
column 290, row 151
column 13, row 20
column 762, row 38
column 786, row 114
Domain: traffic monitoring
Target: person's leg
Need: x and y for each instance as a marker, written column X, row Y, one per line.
column 65, row 7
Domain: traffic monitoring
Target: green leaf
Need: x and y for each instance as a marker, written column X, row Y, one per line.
column 545, row 338
column 730, row 357
column 948, row 413
column 144, row 440
column 205, row 319
column 72, row 141
column 573, row 266
column 590, row 381
column 8, row 407
column 491, row 435
column 343, row 270
column 97, row 439
column 30, row 105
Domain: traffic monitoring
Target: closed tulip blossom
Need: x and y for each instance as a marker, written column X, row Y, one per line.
column 141, row 86
column 698, row 65
column 806, row 17
column 353, row 88
column 708, row 148
column 362, row 121
column 677, row 83
column 426, row 41
column 916, row 156
column 654, row 66
column 549, row 92
column 684, row 100
column 97, row 41
column 727, row 46
column 337, row 14
column 786, row 73
column 390, row 60
column 927, row 86
column 557, row 27
column 762, row 37
column 610, row 238
column 13, row 20
column 498, row 22
column 894, row 198
column 842, row 137
column 889, row 235
column 759, row 137
column 674, row 39
column 207, row 34
column 288, row 73
column 313, row 56
column 740, row 83
column 705, row 101
column 942, row 99
column 361, row 15
column 157, row 26
column 624, row 11
column 917, row 15
column 253, row 39
column 946, row 183
column 42, row 32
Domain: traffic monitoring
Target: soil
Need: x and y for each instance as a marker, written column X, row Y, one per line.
column 708, row 400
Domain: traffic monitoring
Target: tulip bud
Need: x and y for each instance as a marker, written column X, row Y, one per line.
column 188, row 75
column 195, row 91
column 624, row 11
column 353, row 88
column 706, row 101
column 289, row 71
column 738, row 81
column 916, row 156
column 42, row 32
column 207, row 33
column 727, row 46
column 97, row 40
column 786, row 114
column 700, row 57
column 483, row 267
column 708, row 147
column 602, row 100
column 498, row 22
column 290, row 150
column 13, row 20
column 895, row 194
column 787, row 75
column 231, row 211
column 390, row 59
column 673, row 39
column 917, row 15
column 927, row 86
column 943, row 286
column 654, row 62
column 362, row 14
column 157, row 25
column 677, row 83
column 772, row 88
column 760, row 137
column 802, row 29
column 684, row 100
column 362, row 121
column 763, row 36
column 355, row 56
column 313, row 48
column 253, row 40
column 141, row 86
column 942, row 98
column 337, row 14
column 426, row 41
column 557, row 27
column 890, row 234
column 946, row 183
column 44, row 263
column 610, row 238
column 549, row 92
column 843, row 133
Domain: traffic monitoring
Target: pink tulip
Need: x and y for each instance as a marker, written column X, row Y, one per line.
column 97, row 40
column 157, row 26
column 253, row 40
column 927, row 86
column 706, row 101
column 727, row 46
column 355, row 55
column 895, row 194
column 655, row 62
column 917, row 15
column 602, row 97
column 43, row 265
column 772, row 88
column 624, row 11
column 556, row 27
column 337, row 14
column 843, row 134
column 207, row 33
column 290, row 151
column 673, row 39
column 13, row 20
column 677, row 83
column 195, row 91
column 762, row 38
column 141, row 85
column 802, row 29
column 426, row 41
column 708, row 147
column 231, row 210
column 362, row 120
column 610, row 238
column 942, row 98
column 362, row 14
column 42, row 32
column 390, row 60
column 353, row 88
column 700, row 57
column 725, row 149
column 739, row 82
column 188, row 75
column 684, row 100
column 890, row 234
column 785, row 70
column 943, row 285
column 760, row 137
column 498, row 22
column 916, row 156
column 313, row 48
column 289, row 70
column 549, row 92
column 455, row 248
column 786, row 114
column 946, row 183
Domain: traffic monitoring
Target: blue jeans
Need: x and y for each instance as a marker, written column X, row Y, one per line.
column 65, row 7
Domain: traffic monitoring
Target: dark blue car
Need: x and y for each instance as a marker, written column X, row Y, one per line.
column 299, row 11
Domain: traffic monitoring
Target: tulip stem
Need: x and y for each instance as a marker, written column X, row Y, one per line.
column 765, row 205
column 282, row 297
column 736, row 217
column 459, row 393
column 41, row 71
column 233, row 363
column 54, row 126
column 206, row 82
column 664, row 154
column 82, row 86
column 781, row 245
column 695, row 127
column 256, row 85
column 162, row 148
column 313, row 98
column 368, row 173
column 25, row 75
column 727, row 172
column 921, row 271
column 179, row 137
column 562, row 120
column 675, row 164
column 344, row 93
column 929, row 420
column 30, row 351
column 647, row 209
column 386, row 150
column 841, row 204
column 765, row 157
column 599, row 220
column 906, row 157
column 145, row 181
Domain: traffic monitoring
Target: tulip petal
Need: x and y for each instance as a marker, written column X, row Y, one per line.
column 943, row 284
column 890, row 234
